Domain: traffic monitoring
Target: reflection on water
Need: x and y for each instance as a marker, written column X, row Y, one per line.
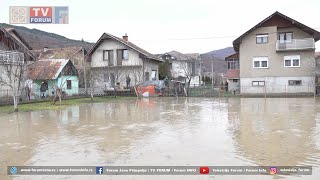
column 166, row 131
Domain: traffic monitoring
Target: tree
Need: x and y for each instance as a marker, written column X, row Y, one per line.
column 13, row 65
column 164, row 69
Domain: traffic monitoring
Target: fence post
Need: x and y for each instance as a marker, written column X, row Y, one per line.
column 7, row 96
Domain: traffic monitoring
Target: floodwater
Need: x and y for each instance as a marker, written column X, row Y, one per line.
column 166, row 131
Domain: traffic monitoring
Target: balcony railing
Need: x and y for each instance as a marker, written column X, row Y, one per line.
column 295, row 44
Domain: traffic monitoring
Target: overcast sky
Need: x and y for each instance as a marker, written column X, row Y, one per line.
column 160, row 26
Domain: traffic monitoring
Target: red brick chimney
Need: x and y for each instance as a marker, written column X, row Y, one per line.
column 125, row 37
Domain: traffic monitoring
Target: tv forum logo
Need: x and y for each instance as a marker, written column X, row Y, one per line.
column 39, row 15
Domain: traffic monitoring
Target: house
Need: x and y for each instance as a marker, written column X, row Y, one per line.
column 11, row 43
column 184, row 67
column 46, row 74
column 74, row 54
column 113, row 60
column 233, row 73
column 317, row 72
column 277, row 56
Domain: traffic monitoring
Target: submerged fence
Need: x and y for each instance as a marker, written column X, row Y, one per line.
column 176, row 91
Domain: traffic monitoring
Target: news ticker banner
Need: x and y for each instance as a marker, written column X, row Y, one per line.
column 39, row 15
column 159, row 170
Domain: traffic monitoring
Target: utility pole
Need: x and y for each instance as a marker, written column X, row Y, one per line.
column 212, row 72
column 84, row 67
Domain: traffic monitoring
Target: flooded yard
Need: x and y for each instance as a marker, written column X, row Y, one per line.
column 166, row 131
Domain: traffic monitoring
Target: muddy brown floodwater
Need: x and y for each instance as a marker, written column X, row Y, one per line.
column 166, row 131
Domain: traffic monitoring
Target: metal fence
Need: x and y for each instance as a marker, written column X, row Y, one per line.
column 194, row 91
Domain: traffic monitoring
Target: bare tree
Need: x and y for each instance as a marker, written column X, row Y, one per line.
column 13, row 65
column 185, row 71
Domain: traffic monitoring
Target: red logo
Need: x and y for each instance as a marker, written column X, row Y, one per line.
column 204, row 170
column 40, row 11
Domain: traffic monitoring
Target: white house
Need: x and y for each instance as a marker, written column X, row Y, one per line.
column 113, row 60
column 184, row 67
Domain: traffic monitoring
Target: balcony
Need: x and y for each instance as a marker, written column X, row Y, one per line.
column 295, row 44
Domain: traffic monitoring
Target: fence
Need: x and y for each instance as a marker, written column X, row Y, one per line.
column 174, row 90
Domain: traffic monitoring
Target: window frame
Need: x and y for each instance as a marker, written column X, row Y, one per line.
column 233, row 64
column 258, row 85
column 123, row 57
column 291, row 58
column 295, row 83
column 285, row 37
column 260, row 59
column 110, row 52
column 69, row 84
column 262, row 36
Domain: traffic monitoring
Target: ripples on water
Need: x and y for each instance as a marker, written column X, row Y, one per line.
column 167, row 131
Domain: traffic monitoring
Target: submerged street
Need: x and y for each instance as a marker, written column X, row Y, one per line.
column 166, row 132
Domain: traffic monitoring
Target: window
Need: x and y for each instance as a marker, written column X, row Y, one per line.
column 235, row 80
column 125, row 54
column 285, row 37
column 262, row 38
column 69, row 84
column 294, row 82
column 154, row 75
column 233, row 64
column 258, row 83
column 292, row 61
column 108, row 56
column 146, row 76
column 260, row 62
column 193, row 69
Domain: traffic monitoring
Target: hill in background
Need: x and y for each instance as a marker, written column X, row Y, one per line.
column 39, row 39
column 217, row 57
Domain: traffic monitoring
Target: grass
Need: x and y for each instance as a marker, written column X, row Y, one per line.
column 36, row 106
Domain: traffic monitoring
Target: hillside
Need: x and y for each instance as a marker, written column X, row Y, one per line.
column 39, row 39
column 217, row 56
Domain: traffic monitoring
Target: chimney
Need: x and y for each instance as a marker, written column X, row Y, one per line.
column 125, row 37
column 45, row 49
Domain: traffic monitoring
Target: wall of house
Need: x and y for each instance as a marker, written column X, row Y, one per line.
column 233, row 86
column 149, row 66
column 62, row 82
column 277, row 85
column 276, row 72
column 179, row 68
column 36, row 88
column 3, row 47
column 109, row 44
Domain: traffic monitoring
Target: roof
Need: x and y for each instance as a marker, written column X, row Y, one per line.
column 57, row 53
column 17, row 36
column 232, row 56
column 19, row 43
column 127, row 43
column 184, row 57
column 46, row 69
column 314, row 33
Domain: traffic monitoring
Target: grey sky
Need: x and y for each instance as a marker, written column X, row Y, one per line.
column 163, row 25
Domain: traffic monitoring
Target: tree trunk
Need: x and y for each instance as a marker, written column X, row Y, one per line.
column 15, row 103
column 91, row 94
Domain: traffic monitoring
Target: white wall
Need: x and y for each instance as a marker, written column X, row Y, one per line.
column 97, row 55
column 277, row 85
column 178, row 68
column 135, row 66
